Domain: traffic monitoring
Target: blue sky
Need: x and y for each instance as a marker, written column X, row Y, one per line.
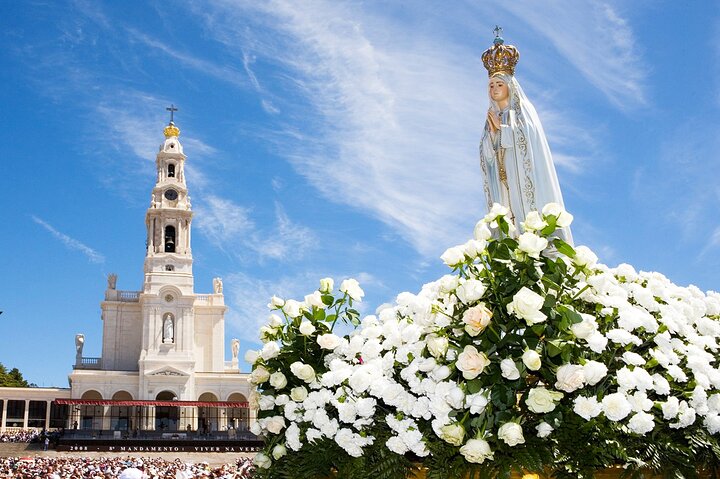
column 331, row 138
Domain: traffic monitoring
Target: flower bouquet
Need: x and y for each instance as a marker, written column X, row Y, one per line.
column 530, row 356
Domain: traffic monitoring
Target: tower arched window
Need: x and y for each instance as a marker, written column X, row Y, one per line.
column 171, row 170
column 169, row 239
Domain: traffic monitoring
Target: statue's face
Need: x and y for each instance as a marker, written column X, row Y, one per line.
column 498, row 90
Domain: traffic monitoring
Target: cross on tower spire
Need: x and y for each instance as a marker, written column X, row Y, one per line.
column 172, row 109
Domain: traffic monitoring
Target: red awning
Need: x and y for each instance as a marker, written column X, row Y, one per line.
column 108, row 402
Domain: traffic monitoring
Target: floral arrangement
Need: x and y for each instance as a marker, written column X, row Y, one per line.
column 528, row 356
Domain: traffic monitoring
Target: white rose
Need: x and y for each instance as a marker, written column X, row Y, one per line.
column 329, row 341
column 474, row 248
column 270, row 350
column 526, row 305
column 570, row 377
column 259, row 375
column 563, row 218
column 293, row 308
column 267, row 333
column 471, row 362
column 282, row 400
column 266, row 402
column 278, row 380
column 275, row 424
column 471, row 290
column 476, row 402
column 275, row 321
column 315, row 300
column 584, row 257
column 476, row 319
column 437, row 345
column 641, row 423
column 353, row 289
column 453, row 433
column 496, row 210
column 532, row 360
column 540, row 400
column 597, row 342
column 544, row 430
column 533, row 222
column 594, row 372
column 279, row 451
column 511, row 433
column 276, row 303
column 307, row 328
column 532, row 244
column 453, row 256
column 326, row 285
column 509, row 369
column 482, row 232
column 476, row 451
column 616, row 406
column 587, row 407
column 298, row 394
column 303, row 371
column 251, row 356
column 584, row 328
column 262, row 460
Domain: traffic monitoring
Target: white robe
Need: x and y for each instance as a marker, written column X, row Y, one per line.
column 531, row 178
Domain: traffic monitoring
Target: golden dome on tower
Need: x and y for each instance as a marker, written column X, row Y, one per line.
column 171, row 130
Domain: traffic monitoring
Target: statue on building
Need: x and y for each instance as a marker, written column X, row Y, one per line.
column 112, row 281
column 168, row 329
column 235, row 348
column 516, row 162
column 217, row 285
column 79, row 343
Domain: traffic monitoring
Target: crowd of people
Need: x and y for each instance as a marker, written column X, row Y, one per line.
column 22, row 435
column 118, row 468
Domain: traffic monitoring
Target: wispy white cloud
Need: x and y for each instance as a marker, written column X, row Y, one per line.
column 230, row 227
column 596, row 39
column 221, row 72
column 267, row 105
column 713, row 242
column 71, row 243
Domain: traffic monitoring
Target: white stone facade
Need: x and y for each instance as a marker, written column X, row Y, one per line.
column 166, row 339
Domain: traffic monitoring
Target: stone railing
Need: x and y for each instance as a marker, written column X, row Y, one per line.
column 129, row 296
column 89, row 363
column 123, row 296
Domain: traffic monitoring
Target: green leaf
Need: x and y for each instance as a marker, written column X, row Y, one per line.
column 564, row 248
column 474, row 386
column 327, row 299
column 554, row 347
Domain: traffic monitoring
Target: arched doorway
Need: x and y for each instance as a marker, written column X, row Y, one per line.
column 209, row 419
column 166, row 417
column 238, row 418
column 90, row 417
column 121, row 416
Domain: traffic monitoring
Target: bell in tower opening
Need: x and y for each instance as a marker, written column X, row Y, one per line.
column 171, row 171
column 169, row 239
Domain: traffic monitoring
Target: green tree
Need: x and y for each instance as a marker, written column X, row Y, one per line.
column 12, row 378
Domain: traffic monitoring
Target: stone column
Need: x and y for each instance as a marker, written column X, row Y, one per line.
column 4, row 415
column 27, row 413
column 47, row 414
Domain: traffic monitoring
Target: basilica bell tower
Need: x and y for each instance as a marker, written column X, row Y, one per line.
column 169, row 349
column 168, row 220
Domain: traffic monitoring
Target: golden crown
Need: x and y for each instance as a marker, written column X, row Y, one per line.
column 500, row 58
column 171, row 130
